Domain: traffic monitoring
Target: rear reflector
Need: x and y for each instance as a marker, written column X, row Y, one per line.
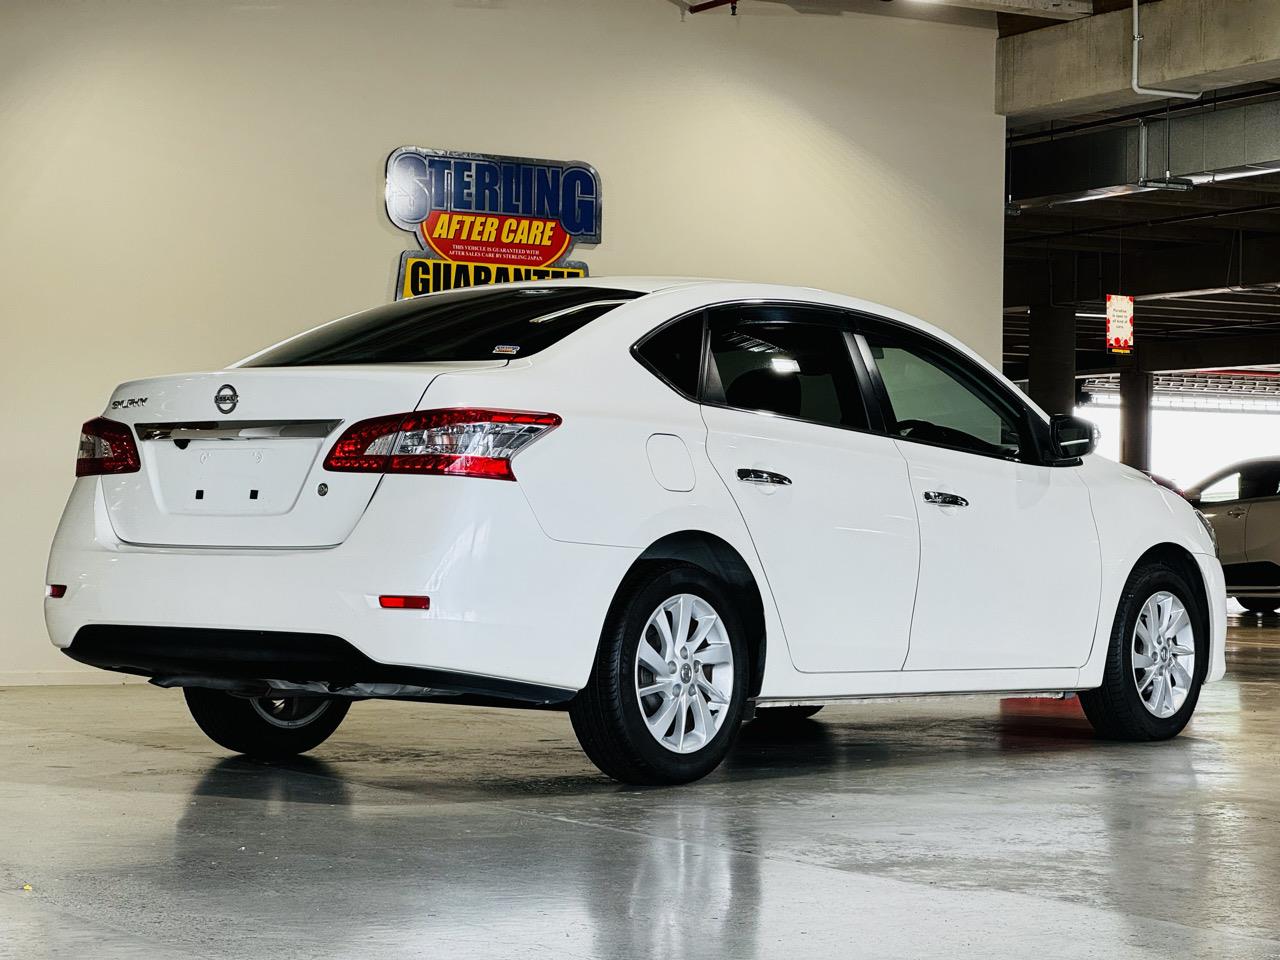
column 106, row 447
column 55, row 590
column 456, row 441
column 403, row 602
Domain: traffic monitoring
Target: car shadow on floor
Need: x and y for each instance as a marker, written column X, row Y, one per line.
column 823, row 746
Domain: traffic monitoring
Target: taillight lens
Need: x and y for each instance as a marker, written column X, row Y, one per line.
column 106, row 447
column 455, row 441
column 400, row 601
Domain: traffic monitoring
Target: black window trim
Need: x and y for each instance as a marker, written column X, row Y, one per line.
column 1033, row 431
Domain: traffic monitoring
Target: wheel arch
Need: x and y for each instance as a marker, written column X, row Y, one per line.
column 1180, row 559
column 720, row 559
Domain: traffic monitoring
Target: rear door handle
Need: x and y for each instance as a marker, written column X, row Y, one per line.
column 762, row 476
column 945, row 499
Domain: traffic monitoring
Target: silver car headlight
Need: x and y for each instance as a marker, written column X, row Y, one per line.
column 1208, row 528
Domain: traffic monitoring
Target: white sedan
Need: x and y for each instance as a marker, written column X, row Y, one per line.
column 665, row 505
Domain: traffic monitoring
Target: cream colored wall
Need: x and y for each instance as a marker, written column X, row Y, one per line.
column 183, row 181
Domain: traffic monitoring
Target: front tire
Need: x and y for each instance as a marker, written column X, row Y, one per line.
column 1259, row 604
column 1156, row 662
column 265, row 728
column 666, row 694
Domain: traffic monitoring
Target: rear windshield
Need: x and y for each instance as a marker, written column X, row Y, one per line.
column 459, row 325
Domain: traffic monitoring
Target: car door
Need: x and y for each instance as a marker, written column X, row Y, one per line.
column 1260, row 489
column 827, row 502
column 1220, row 499
column 1010, row 570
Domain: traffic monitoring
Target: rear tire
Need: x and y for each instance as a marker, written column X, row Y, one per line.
column 784, row 716
column 265, row 728
column 1259, row 604
column 1153, row 674
column 682, row 727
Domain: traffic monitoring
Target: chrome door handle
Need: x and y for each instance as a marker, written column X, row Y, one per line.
column 762, row 476
column 945, row 499
column 1236, row 512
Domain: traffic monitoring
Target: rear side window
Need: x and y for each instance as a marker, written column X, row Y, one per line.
column 789, row 361
column 674, row 353
column 490, row 324
column 1223, row 490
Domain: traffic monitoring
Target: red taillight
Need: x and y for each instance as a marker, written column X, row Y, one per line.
column 106, row 447
column 55, row 591
column 455, row 441
column 404, row 602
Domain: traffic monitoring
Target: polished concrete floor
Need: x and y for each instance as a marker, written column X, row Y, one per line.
column 949, row 829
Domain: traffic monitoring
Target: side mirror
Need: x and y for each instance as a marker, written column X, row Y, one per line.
column 1071, row 437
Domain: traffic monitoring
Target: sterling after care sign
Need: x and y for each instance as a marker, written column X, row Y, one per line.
column 483, row 219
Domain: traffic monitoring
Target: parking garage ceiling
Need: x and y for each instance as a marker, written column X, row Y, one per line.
column 1203, row 260
column 1173, row 200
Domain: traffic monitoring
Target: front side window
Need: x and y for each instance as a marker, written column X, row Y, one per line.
column 498, row 323
column 783, row 360
column 934, row 397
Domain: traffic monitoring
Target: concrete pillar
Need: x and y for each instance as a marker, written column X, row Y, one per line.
column 1135, row 418
column 1051, row 365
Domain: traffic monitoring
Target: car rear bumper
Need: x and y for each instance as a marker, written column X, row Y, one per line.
column 507, row 602
column 275, row 662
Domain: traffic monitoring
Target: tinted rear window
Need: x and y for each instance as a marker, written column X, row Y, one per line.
column 675, row 353
column 495, row 324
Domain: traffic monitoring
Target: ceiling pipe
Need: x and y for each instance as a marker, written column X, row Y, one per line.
column 1137, row 87
column 1148, row 223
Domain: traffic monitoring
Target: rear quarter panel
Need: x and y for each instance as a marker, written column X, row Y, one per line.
column 600, row 478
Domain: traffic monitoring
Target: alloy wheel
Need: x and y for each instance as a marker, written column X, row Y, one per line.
column 1164, row 654
column 289, row 713
column 684, row 673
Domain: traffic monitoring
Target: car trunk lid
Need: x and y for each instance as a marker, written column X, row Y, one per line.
column 235, row 458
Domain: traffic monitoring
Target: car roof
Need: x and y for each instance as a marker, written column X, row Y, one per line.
column 1238, row 467
column 638, row 284
column 1245, row 464
column 646, row 285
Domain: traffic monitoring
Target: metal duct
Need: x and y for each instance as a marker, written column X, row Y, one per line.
column 1226, row 143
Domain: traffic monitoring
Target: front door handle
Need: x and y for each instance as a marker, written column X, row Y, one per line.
column 1236, row 512
column 945, row 499
column 762, row 476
